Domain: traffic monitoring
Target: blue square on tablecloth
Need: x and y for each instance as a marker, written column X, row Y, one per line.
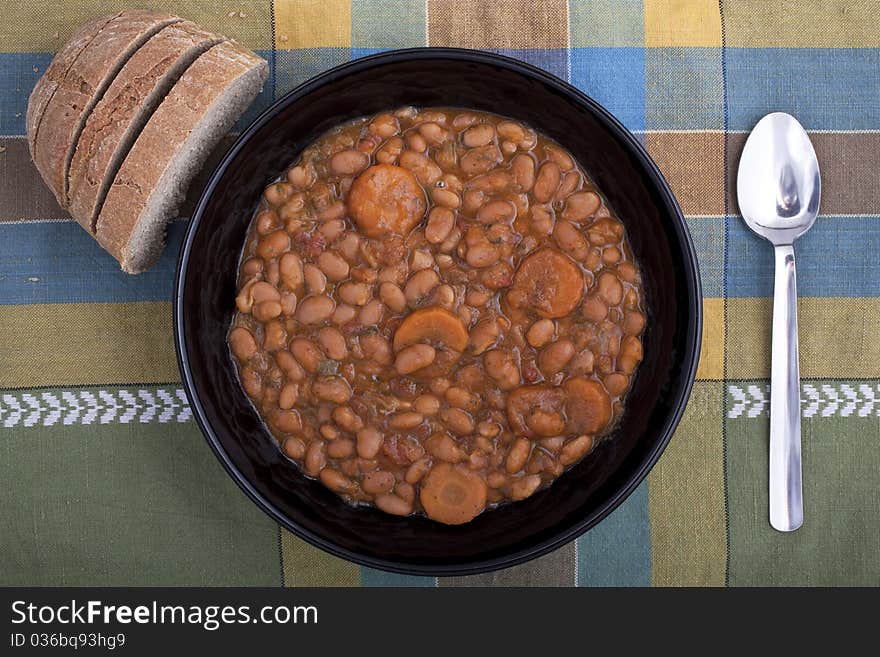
column 615, row 77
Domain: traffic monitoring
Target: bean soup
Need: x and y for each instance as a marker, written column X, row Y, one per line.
column 437, row 312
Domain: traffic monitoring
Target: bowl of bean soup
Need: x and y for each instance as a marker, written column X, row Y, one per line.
column 437, row 312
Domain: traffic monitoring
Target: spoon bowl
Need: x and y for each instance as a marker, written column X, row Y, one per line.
column 778, row 184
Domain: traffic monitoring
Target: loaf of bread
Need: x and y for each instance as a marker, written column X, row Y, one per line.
column 126, row 115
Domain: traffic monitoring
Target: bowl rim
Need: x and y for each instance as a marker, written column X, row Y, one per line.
column 691, row 274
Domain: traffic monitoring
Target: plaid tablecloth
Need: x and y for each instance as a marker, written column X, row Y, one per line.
column 107, row 480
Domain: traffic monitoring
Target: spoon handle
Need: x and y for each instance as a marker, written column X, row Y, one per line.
column 786, row 501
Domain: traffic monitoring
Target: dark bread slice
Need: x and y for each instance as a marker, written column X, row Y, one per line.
column 181, row 133
column 64, row 59
column 118, row 118
column 94, row 70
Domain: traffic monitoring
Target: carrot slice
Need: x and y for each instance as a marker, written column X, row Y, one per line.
column 548, row 281
column 452, row 495
column 434, row 325
column 386, row 199
column 587, row 406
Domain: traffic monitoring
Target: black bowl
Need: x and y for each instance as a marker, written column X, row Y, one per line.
column 205, row 289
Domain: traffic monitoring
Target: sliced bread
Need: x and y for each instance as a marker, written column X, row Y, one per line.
column 118, row 118
column 64, row 115
column 62, row 62
column 180, row 134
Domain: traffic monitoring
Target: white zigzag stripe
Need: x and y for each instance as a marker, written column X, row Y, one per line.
column 822, row 400
column 70, row 407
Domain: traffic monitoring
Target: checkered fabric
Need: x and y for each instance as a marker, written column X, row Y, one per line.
column 107, row 480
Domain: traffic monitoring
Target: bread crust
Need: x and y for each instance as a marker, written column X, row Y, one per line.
column 54, row 75
column 82, row 86
column 116, row 120
column 153, row 156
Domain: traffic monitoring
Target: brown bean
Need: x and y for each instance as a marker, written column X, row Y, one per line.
column 384, row 125
column 406, row 420
column 555, row 357
column 524, row 487
column 290, row 268
column 546, row 182
column 377, row 348
column 252, row 382
column 349, row 162
column 457, row 420
column 523, row 168
column 369, row 441
column 288, row 396
column 306, row 353
column 518, row 455
column 390, row 151
column 341, row 448
column 354, row 294
column 393, row 504
column 316, row 280
column 333, row 265
column 416, row 142
column 511, row 131
column 315, row 459
column 274, row 336
column 581, row 205
column 605, row 231
column 478, row 135
column 496, row 211
column 285, row 421
column 433, row 133
column 440, row 224
column 594, row 309
column 559, row 156
column 461, row 398
column 426, row 405
column 570, row 239
column 277, row 193
column 483, row 335
column 332, row 389
column 315, row 309
column 290, row 366
column 616, row 383
column 301, row 176
column 541, row 332
column 343, row 314
column 379, row 481
column 420, row 284
column 502, row 368
column 414, row 357
column 442, row 446
column 480, row 159
column 335, row 480
column 294, row 447
column 242, row 343
column 266, row 310
column 371, row 313
column 417, row 471
column 251, row 267
column 424, row 169
column 273, row 245
column 332, row 342
column 267, row 221
column 445, row 198
column 347, row 419
column 575, row 450
column 633, row 322
column 392, row 296
column 609, row 288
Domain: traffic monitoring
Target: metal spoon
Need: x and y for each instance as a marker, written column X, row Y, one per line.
column 778, row 189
